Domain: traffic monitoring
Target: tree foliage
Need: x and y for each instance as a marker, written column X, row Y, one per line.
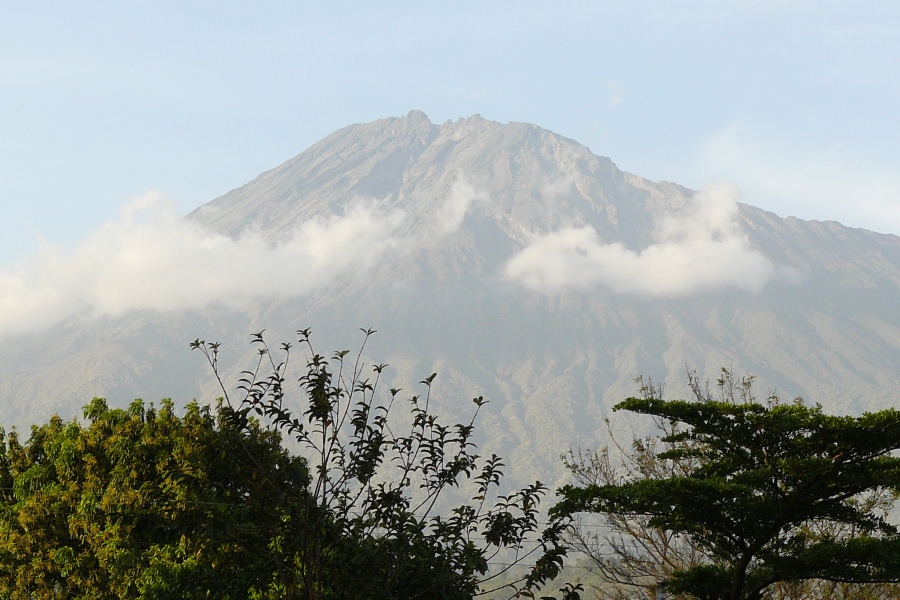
column 384, row 522
column 141, row 503
column 767, row 493
column 628, row 555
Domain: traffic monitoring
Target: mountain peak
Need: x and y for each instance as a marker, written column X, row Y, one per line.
column 417, row 116
column 535, row 178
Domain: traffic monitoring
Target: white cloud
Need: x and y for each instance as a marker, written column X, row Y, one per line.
column 616, row 93
column 559, row 186
column 450, row 215
column 822, row 182
column 151, row 258
column 699, row 249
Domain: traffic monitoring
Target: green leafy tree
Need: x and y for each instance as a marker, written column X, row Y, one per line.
column 766, row 494
column 379, row 523
column 628, row 554
column 141, row 503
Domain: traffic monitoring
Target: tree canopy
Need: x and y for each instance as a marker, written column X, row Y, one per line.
column 142, row 503
column 761, row 481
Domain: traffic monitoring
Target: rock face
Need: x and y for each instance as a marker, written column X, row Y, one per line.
column 808, row 307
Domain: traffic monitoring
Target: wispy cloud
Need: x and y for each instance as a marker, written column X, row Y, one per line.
column 702, row 248
column 558, row 187
column 615, row 90
column 449, row 216
column 822, row 182
column 151, row 258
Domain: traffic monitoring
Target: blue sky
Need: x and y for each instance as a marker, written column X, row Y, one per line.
column 793, row 102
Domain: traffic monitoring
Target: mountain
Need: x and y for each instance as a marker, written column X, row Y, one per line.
column 517, row 265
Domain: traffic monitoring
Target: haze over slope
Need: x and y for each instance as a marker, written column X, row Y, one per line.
column 510, row 260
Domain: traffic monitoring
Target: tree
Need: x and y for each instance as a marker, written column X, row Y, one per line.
column 629, row 555
column 772, row 493
column 141, row 503
column 373, row 523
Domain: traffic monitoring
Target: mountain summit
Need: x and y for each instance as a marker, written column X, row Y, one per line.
column 516, row 264
column 505, row 189
column 535, row 180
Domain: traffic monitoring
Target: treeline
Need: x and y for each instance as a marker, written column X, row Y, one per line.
column 732, row 499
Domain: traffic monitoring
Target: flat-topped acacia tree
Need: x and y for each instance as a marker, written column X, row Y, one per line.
column 763, row 480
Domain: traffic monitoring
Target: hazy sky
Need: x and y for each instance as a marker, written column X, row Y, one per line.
column 794, row 102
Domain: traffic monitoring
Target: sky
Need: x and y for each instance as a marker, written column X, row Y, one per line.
column 792, row 103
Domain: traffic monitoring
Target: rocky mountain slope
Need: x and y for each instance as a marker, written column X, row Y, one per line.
column 518, row 265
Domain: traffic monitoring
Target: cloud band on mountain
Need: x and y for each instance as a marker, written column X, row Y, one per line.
column 151, row 258
column 699, row 249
